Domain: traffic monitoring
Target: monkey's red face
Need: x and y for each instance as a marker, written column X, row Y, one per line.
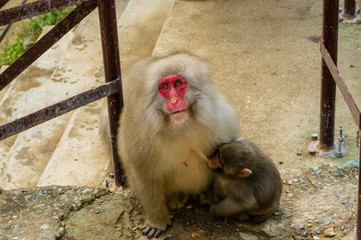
column 173, row 88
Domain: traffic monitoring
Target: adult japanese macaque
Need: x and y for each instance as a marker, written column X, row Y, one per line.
column 248, row 185
column 172, row 113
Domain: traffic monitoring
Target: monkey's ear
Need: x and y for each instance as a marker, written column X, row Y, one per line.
column 245, row 172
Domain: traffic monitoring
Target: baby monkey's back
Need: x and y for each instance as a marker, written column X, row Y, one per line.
column 248, row 186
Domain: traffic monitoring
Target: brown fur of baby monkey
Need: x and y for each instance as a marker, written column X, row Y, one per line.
column 172, row 115
column 248, row 186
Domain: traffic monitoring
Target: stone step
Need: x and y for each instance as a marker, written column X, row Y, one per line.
column 21, row 162
column 81, row 157
column 65, row 70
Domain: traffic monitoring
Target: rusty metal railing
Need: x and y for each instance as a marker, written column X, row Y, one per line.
column 111, row 89
column 330, row 78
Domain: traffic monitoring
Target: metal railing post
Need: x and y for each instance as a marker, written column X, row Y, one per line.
column 349, row 9
column 3, row 2
column 358, row 226
column 109, row 35
column 328, row 86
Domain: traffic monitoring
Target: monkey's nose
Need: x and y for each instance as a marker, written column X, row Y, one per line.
column 174, row 101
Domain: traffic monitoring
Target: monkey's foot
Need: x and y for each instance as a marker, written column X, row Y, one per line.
column 151, row 232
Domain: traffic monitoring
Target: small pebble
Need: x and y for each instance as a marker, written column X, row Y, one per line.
column 304, row 233
column 63, row 197
column 314, row 136
column 329, row 232
column 276, row 213
column 61, row 231
column 44, row 226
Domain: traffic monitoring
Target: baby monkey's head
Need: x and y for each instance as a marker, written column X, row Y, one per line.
column 233, row 158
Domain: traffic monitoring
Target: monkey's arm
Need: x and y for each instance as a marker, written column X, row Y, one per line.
column 153, row 202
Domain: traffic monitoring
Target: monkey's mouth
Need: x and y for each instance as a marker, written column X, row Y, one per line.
column 179, row 115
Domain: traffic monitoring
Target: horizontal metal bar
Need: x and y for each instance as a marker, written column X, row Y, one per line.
column 46, row 42
column 32, row 9
column 48, row 113
column 341, row 85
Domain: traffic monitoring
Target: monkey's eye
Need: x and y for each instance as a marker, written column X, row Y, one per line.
column 165, row 86
column 178, row 83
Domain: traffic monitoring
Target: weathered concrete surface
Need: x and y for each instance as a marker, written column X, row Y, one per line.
column 22, row 97
column 39, row 213
column 318, row 199
column 81, row 146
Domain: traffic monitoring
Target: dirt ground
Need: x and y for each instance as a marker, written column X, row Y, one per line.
column 316, row 204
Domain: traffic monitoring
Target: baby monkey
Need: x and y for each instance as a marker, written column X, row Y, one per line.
column 248, row 185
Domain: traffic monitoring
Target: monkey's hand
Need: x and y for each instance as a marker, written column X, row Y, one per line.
column 151, row 230
column 214, row 162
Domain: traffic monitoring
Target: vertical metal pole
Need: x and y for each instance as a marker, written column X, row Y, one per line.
column 109, row 35
column 328, row 86
column 349, row 9
column 358, row 226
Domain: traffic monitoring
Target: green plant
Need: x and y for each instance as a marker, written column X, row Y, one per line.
column 14, row 50
column 31, row 29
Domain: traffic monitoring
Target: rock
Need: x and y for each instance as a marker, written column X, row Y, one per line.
column 63, row 197
column 304, row 233
column 60, row 233
column 86, row 192
column 247, row 236
column 329, row 232
column 198, row 233
column 351, row 235
column 352, row 164
column 44, row 226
